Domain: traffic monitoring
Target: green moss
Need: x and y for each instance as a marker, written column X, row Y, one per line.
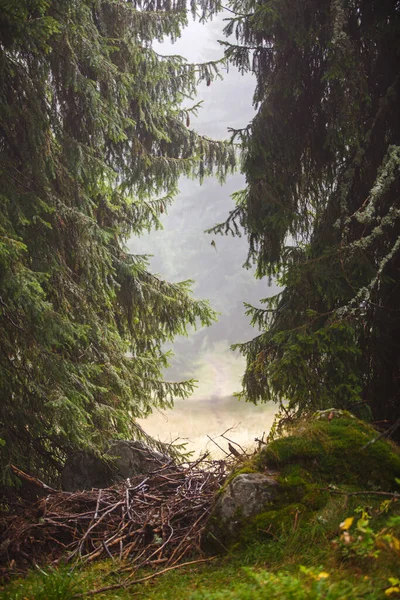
column 315, row 498
column 335, row 452
column 286, row 450
column 283, row 520
column 241, row 469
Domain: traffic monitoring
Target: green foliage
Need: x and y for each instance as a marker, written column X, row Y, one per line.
column 321, row 207
column 358, row 540
column 93, row 140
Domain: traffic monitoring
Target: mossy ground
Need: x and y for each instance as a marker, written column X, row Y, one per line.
column 296, row 548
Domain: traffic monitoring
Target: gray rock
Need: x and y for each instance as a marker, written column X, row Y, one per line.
column 134, row 458
column 83, row 471
column 245, row 496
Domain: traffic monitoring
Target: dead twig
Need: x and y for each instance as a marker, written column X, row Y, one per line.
column 363, row 493
column 385, row 433
column 218, row 446
column 244, row 453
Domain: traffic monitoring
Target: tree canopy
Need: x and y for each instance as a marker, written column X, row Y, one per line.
column 93, row 139
column 321, row 204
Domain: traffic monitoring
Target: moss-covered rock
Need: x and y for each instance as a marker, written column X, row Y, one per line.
column 335, row 451
column 332, row 449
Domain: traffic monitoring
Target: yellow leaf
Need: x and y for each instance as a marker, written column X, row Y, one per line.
column 347, row 523
column 392, row 590
column 323, row 575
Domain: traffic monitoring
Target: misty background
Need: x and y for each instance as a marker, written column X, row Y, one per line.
column 182, row 250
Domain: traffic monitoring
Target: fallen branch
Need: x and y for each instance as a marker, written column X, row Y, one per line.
column 32, row 480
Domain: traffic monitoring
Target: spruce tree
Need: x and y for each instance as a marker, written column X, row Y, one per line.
column 93, row 139
column 321, row 206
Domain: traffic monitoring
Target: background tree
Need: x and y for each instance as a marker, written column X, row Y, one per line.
column 321, row 207
column 93, row 139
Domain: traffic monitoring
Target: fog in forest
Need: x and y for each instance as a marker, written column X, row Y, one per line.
column 182, row 250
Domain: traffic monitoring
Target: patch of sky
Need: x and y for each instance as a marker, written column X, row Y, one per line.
column 182, row 250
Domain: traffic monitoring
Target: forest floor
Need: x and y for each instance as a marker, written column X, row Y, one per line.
column 297, row 566
column 333, row 533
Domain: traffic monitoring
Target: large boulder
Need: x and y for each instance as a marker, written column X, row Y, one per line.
column 134, row 458
column 298, row 481
column 124, row 459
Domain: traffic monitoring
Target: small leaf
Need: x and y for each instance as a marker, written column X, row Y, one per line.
column 347, row 523
column 362, row 525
